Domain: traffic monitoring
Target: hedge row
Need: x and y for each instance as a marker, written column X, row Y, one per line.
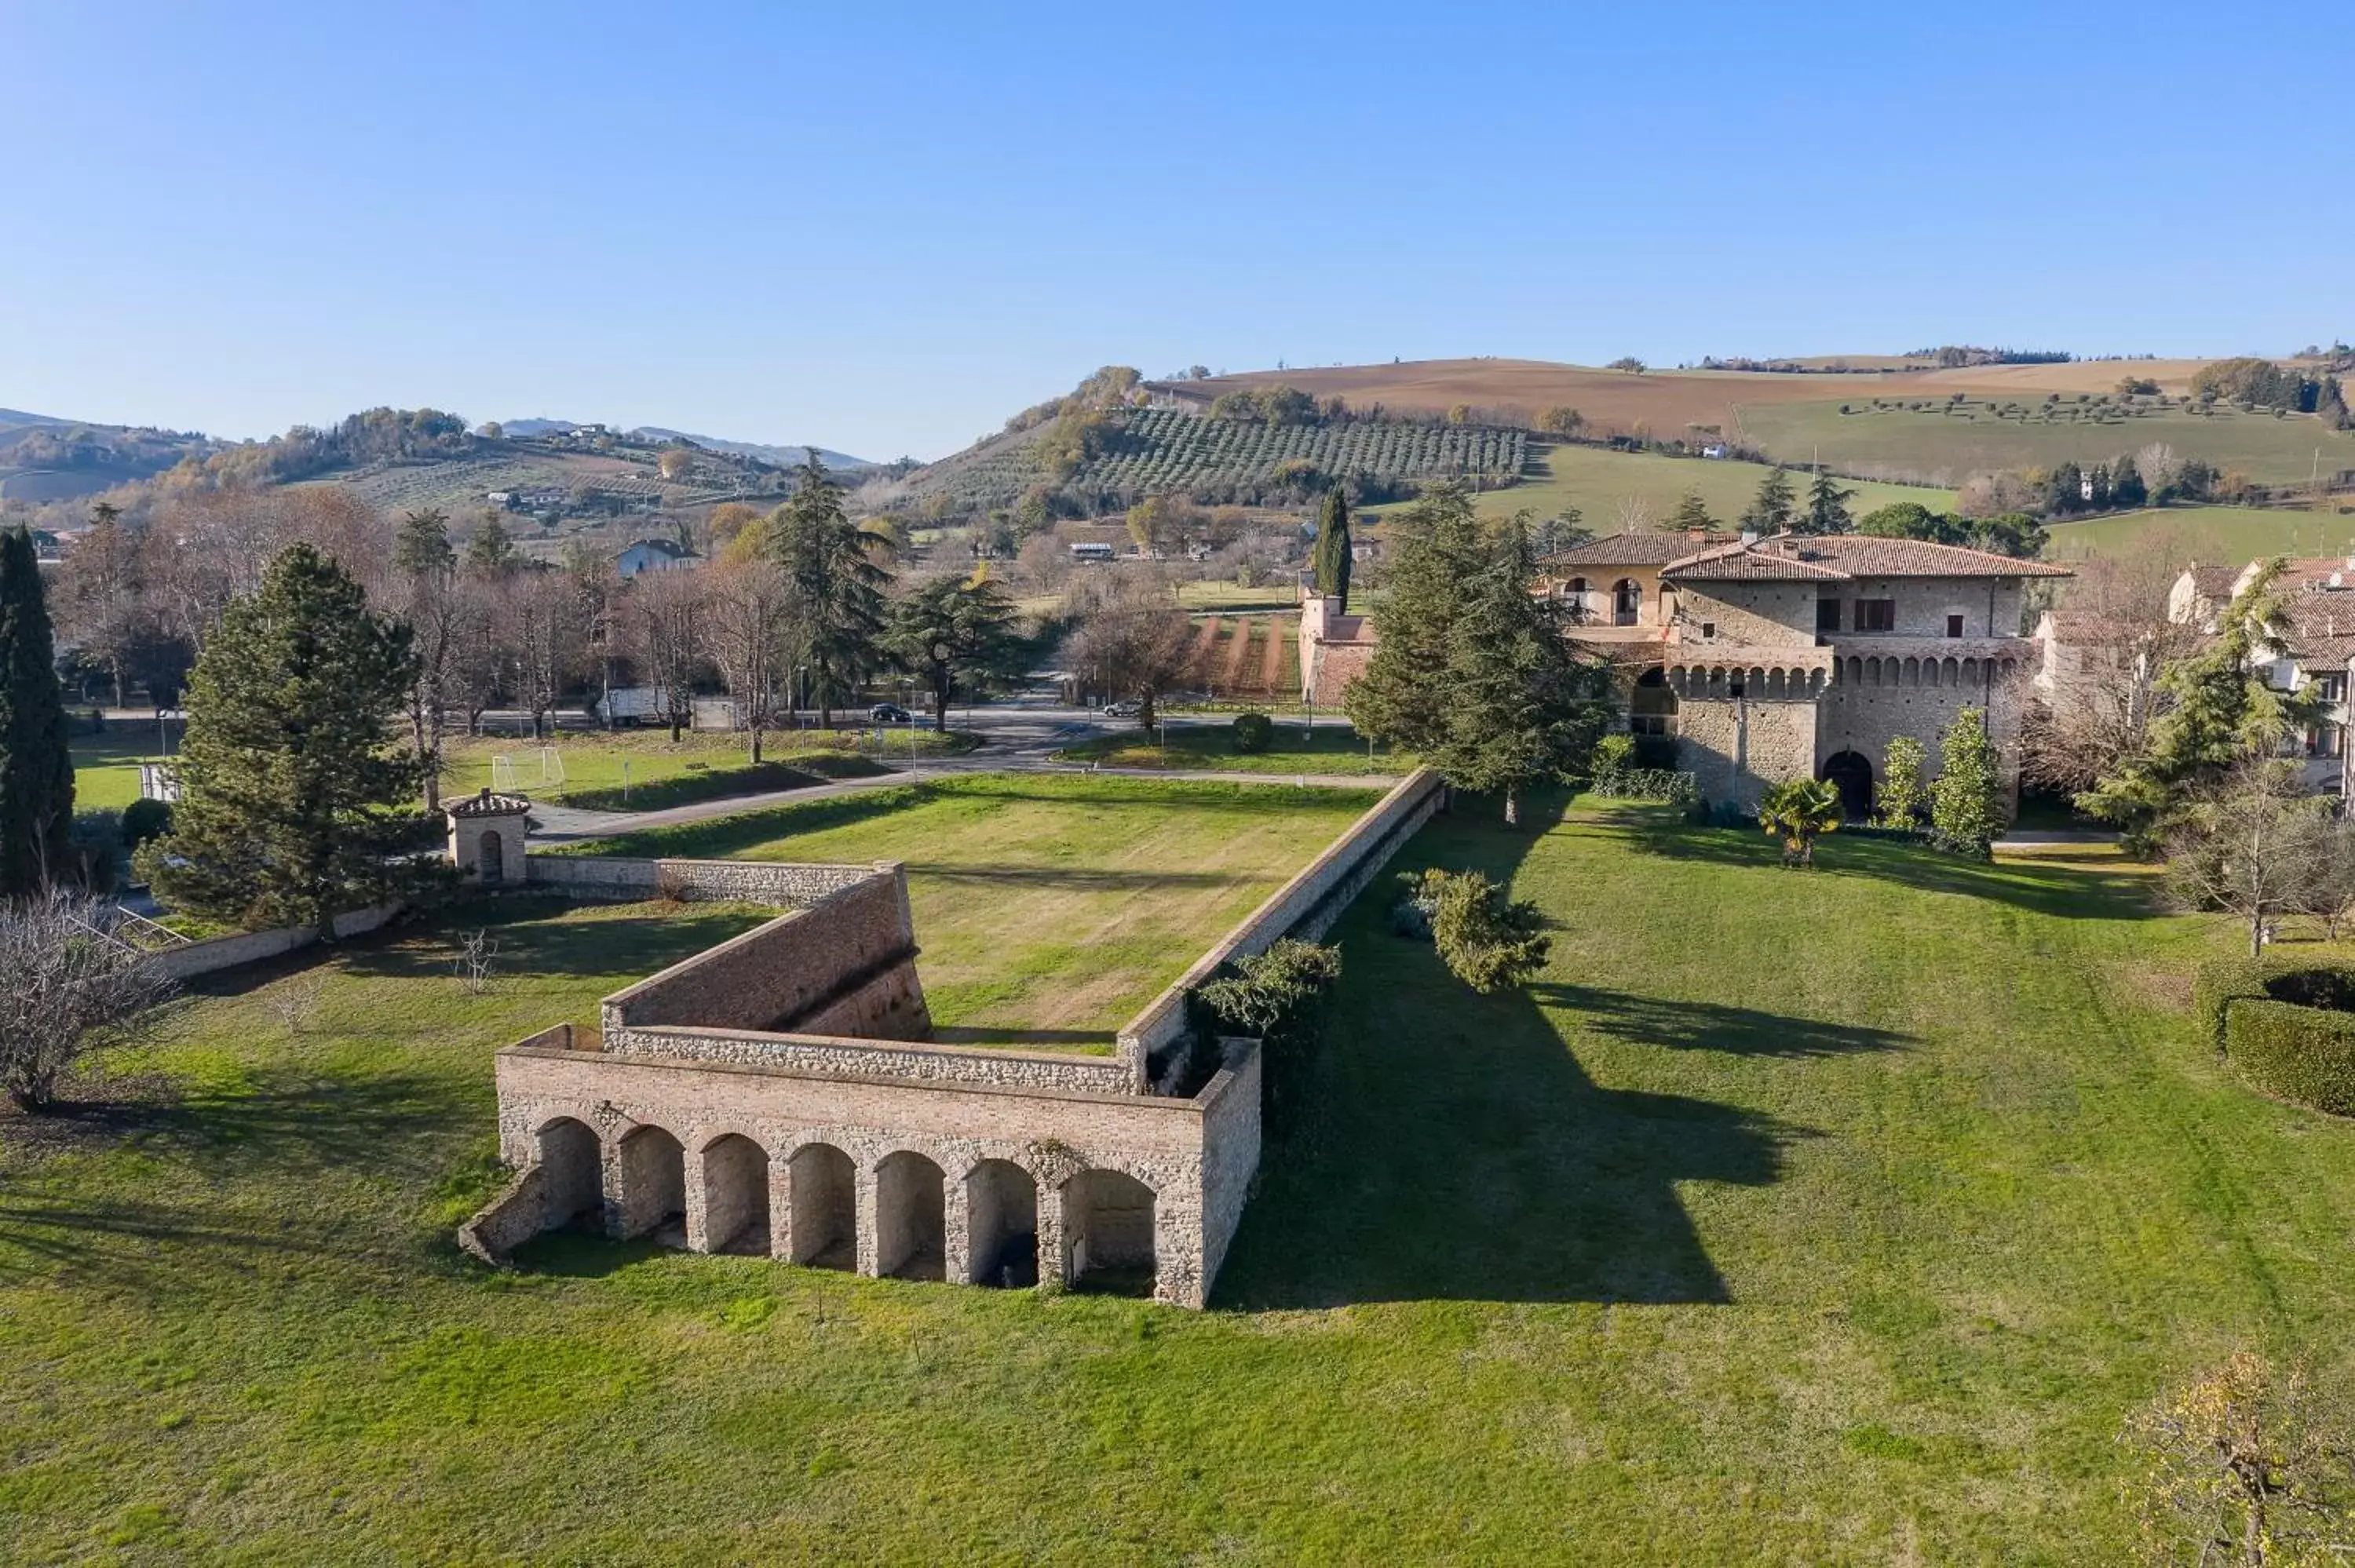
column 2301, row 1054
column 1663, row 784
column 2255, row 1013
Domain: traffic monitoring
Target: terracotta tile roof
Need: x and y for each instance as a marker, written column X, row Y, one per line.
column 1744, row 563
column 487, row 805
column 1650, row 547
column 1864, row 556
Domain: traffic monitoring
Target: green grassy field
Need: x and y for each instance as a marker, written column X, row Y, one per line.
column 1329, row 750
column 1048, row 909
column 592, row 761
column 2208, row 533
column 1597, row 481
column 106, row 767
column 1951, row 447
column 1797, row 1218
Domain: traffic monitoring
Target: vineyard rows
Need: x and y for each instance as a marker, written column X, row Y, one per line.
column 1159, row 450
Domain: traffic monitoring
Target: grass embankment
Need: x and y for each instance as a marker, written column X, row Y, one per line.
column 2233, row 534
column 1329, row 749
column 1800, row 1218
column 1048, row 909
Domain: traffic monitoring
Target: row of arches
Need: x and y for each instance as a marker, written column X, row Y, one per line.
column 731, row 1196
column 1777, row 683
column 1622, row 605
column 1950, row 672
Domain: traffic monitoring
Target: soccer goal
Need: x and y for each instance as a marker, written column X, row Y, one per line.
column 511, row 770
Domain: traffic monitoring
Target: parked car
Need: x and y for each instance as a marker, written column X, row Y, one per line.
column 888, row 713
column 1121, row 709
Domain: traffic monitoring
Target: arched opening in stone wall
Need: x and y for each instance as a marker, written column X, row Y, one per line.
column 1002, row 1224
column 1852, row 774
column 911, row 1218
column 571, row 1175
column 653, row 1167
column 1627, row 601
column 491, row 858
column 1108, row 1233
column 1652, row 705
column 735, row 1196
column 825, row 1187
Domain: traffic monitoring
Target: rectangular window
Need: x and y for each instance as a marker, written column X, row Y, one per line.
column 2331, row 688
column 1709, row 631
column 1827, row 615
column 1953, row 626
column 1876, row 615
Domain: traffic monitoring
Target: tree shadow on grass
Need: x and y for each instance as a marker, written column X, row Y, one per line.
column 119, row 1243
column 2071, row 892
column 1711, row 1026
column 1455, row 1147
column 627, row 948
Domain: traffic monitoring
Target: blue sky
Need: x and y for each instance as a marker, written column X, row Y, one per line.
column 884, row 228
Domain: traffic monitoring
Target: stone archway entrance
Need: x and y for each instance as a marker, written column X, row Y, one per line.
column 491, row 858
column 571, row 1174
column 1627, row 602
column 825, row 1187
column 1108, row 1233
column 736, row 1196
column 1002, row 1228
column 911, row 1218
column 654, row 1187
column 1852, row 774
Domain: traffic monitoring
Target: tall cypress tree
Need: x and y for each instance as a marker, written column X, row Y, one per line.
column 294, row 800
column 37, row 782
column 1332, row 554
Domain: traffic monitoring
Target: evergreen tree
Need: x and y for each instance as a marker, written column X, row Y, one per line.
column 1826, row 510
column 2222, row 713
column 2126, row 488
column 2065, row 491
column 1773, row 508
column 2330, row 405
column 420, row 547
column 292, row 796
column 837, row 585
column 1692, row 514
column 1403, row 698
column 1902, row 796
column 37, row 781
column 492, row 547
column 951, row 633
column 1966, row 808
column 1331, row 556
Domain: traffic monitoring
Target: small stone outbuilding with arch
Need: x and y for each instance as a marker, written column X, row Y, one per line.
column 488, row 835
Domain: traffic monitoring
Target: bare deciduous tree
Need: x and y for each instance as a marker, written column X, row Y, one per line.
column 746, row 635
column 2247, row 1463
column 476, row 958
column 662, row 617
column 72, row 991
column 2112, row 639
column 2249, row 847
column 1134, row 639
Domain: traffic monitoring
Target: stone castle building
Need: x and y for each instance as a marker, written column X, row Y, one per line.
column 1771, row 659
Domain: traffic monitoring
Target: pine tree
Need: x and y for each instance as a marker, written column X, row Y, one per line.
column 1402, row 699
column 2222, row 713
column 1521, row 709
column 2126, row 488
column 1966, row 813
column 1772, row 510
column 2065, row 491
column 492, row 547
column 1826, row 510
column 420, row 547
column 37, row 781
column 291, row 799
column 1331, row 556
column 837, row 585
column 1691, row 514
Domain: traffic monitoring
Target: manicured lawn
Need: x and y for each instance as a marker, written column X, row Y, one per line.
column 1211, row 743
column 106, row 767
column 1790, row 1218
column 591, row 767
column 1048, row 909
column 1231, row 596
column 2227, row 533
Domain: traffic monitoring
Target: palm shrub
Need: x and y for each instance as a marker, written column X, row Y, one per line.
column 1799, row 811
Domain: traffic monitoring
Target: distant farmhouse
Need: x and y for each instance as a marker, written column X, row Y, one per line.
column 1770, row 658
column 654, row 556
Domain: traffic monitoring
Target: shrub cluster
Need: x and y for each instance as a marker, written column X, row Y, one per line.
column 1662, row 784
column 1278, row 999
column 2285, row 1023
column 1253, row 733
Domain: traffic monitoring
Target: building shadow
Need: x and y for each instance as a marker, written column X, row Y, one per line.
column 1455, row 1147
column 1711, row 1026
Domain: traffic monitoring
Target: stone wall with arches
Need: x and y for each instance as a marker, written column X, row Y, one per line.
column 970, row 1183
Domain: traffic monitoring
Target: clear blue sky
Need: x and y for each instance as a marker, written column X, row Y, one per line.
column 884, row 228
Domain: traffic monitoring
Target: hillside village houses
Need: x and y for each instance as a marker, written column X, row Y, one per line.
column 2310, row 645
column 1775, row 658
column 654, row 556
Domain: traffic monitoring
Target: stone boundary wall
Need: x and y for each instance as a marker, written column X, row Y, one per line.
column 812, row 1053
column 252, row 946
column 1306, row 907
column 1195, row 1156
column 785, row 885
column 845, row 965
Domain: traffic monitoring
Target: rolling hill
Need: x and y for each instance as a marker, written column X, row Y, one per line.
column 783, row 456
